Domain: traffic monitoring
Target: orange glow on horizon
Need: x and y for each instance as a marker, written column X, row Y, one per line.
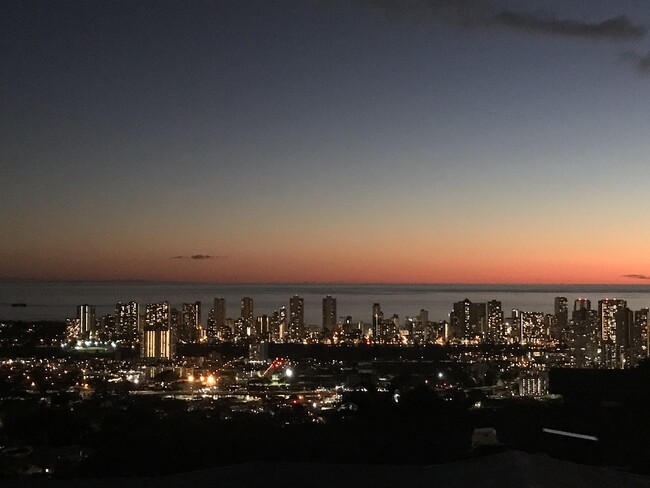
column 389, row 260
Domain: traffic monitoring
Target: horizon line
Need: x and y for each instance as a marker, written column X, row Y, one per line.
column 311, row 283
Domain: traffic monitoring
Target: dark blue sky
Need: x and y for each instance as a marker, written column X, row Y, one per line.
column 334, row 140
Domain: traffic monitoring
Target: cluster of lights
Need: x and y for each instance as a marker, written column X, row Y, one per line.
column 209, row 380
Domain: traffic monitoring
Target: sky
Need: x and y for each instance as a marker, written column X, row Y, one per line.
column 410, row 141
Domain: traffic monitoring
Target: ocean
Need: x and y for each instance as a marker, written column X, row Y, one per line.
column 58, row 300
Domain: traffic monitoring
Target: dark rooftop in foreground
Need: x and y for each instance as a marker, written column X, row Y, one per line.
column 504, row 470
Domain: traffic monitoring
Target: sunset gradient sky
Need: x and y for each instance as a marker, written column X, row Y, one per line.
column 325, row 141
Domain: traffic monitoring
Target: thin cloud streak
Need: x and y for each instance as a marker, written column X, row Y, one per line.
column 637, row 276
column 482, row 13
column 616, row 28
column 199, row 257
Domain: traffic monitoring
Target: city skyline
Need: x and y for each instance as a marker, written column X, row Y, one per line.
column 325, row 142
column 614, row 336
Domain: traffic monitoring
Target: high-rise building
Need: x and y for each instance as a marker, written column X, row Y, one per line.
column 377, row 323
column 157, row 314
column 190, row 324
column 467, row 319
column 219, row 312
column 126, row 321
column 628, row 338
column 496, row 331
column 641, row 321
column 582, row 337
column 279, row 325
column 532, row 328
column 329, row 313
column 607, row 308
column 419, row 334
column 550, row 326
column 106, row 328
column 423, row 317
column 142, row 320
column 561, row 311
column 348, row 325
column 87, row 324
column 263, row 328
column 247, row 312
column 515, row 323
column 174, row 324
column 157, row 343
column 216, row 323
column 460, row 319
column 211, row 329
column 582, row 304
column 392, row 330
column 296, row 319
column 227, row 332
column 241, row 330
column 411, row 325
column 157, row 338
column 73, row 330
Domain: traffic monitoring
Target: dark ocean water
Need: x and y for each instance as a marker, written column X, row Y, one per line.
column 58, row 300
